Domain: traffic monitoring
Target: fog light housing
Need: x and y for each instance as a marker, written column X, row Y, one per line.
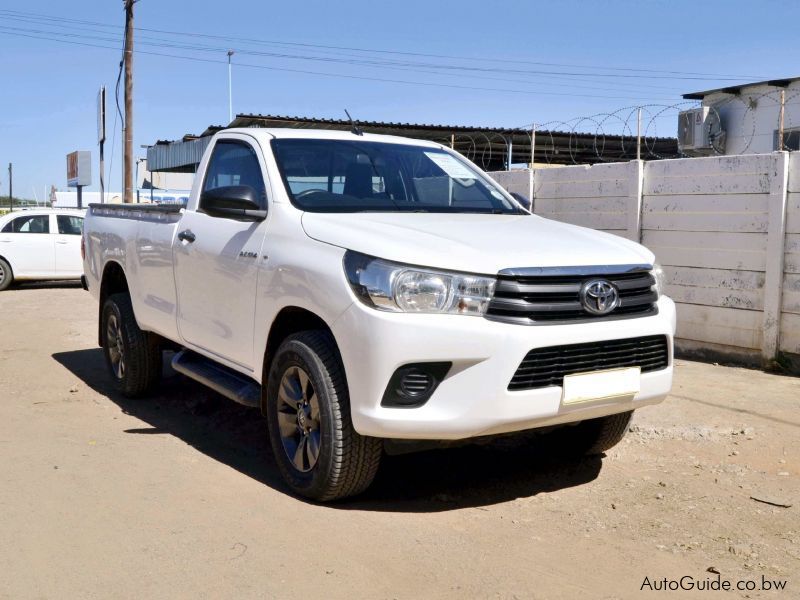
column 413, row 384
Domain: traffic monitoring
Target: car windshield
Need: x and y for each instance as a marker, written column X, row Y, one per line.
column 358, row 176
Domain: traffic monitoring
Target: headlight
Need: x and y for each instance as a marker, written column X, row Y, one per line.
column 658, row 274
column 395, row 287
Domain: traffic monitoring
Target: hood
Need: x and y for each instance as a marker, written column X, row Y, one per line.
column 472, row 243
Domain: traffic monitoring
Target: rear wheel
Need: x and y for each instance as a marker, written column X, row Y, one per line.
column 593, row 436
column 133, row 356
column 6, row 275
column 318, row 452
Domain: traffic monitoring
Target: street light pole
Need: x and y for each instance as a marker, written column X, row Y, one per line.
column 230, row 88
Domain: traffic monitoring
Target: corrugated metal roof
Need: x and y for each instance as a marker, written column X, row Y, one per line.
column 487, row 146
column 259, row 120
column 182, row 156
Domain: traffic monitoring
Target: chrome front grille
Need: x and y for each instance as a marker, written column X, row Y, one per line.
column 549, row 296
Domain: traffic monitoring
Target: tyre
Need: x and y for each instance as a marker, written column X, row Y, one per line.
column 593, row 436
column 318, row 452
column 6, row 275
column 133, row 356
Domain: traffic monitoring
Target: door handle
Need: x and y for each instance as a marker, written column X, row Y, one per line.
column 187, row 236
column 61, row 242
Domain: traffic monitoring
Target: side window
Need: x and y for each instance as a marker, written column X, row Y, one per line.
column 69, row 225
column 28, row 224
column 235, row 163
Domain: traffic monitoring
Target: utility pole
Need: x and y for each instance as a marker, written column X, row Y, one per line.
column 230, row 88
column 127, row 159
column 10, row 187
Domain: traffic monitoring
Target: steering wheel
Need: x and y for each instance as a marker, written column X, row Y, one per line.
column 305, row 193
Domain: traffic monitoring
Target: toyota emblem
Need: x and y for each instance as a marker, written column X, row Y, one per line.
column 599, row 297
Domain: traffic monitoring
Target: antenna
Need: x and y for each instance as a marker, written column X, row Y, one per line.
column 353, row 127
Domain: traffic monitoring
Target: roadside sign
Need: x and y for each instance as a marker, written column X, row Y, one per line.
column 101, row 115
column 79, row 168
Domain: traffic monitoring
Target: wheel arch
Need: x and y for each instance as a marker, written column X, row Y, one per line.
column 290, row 320
column 113, row 281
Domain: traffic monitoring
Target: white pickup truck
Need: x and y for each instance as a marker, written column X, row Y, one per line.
column 369, row 292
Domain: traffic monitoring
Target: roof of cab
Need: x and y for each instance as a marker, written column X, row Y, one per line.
column 326, row 134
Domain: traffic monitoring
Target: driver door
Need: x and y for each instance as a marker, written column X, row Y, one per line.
column 216, row 273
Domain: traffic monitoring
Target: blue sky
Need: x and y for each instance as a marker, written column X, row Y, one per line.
column 552, row 62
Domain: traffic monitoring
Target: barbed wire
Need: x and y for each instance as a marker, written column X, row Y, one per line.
column 737, row 125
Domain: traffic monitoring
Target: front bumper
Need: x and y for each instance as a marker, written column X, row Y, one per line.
column 473, row 400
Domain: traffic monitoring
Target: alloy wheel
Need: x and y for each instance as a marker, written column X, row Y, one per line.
column 299, row 419
column 116, row 350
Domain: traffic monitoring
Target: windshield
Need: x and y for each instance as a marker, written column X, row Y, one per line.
column 356, row 176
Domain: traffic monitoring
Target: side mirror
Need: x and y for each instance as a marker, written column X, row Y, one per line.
column 523, row 200
column 233, row 202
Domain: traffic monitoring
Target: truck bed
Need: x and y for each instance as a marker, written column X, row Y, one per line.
column 139, row 237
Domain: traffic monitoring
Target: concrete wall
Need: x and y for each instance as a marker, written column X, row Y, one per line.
column 706, row 220
column 519, row 181
column 726, row 229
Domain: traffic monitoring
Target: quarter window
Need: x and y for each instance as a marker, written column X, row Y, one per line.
column 235, row 163
column 28, row 224
column 69, row 225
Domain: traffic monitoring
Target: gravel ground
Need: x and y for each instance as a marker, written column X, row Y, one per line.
column 177, row 496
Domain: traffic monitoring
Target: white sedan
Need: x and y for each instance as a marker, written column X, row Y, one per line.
column 41, row 244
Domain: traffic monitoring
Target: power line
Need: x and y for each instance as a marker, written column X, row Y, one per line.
column 667, row 74
column 218, row 50
column 240, row 39
column 382, row 64
column 323, row 74
column 410, row 66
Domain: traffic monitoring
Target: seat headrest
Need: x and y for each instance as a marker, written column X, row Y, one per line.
column 358, row 180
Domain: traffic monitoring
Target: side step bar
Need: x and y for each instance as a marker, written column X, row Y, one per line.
column 219, row 378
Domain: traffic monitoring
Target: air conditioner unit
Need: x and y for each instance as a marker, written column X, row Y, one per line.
column 700, row 132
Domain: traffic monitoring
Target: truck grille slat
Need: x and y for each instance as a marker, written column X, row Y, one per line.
column 550, row 299
column 543, row 367
column 554, row 363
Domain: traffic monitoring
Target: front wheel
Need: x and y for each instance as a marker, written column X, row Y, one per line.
column 318, row 452
column 133, row 356
column 6, row 275
column 593, row 436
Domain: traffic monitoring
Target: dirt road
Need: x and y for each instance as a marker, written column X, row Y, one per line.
column 177, row 496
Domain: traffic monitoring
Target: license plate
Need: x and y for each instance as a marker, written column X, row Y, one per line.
column 622, row 384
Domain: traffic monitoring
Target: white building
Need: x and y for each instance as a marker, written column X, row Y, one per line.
column 170, row 188
column 146, row 196
column 750, row 116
